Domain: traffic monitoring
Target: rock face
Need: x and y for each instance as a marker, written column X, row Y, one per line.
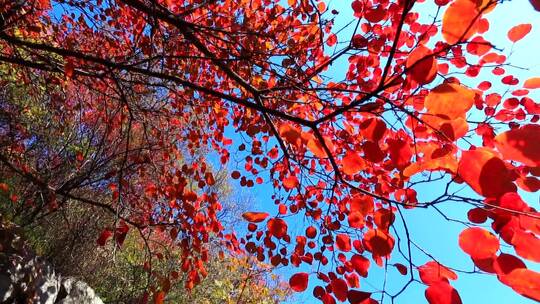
column 26, row 278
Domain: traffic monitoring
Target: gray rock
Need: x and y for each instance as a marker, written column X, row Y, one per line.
column 74, row 292
column 25, row 277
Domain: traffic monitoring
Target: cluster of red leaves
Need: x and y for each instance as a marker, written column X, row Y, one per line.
column 343, row 156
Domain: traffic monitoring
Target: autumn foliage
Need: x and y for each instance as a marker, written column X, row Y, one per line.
column 421, row 98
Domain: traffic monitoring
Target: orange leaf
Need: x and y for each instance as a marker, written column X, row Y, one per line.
column 460, row 21
column 159, row 297
column 449, row 100
column 44, row 4
column 447, row 163
column 453, row 129
column 485, row 173
column 290, row 182
column 486, row 6
column 422, row 65
column 352, row 163
column 255, row 217
column 478, row 242
column 517, row 32
column 521, row 144
column 291, row 134
column 442, row 293
column 532, row 83
column 524, row 281
column 316, row 148
column 299, row 281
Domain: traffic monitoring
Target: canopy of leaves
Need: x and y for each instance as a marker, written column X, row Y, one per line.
column 137, row 88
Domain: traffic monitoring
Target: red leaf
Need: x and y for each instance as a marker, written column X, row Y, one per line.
column 521, row 144
column 433, row 272
column 357, row 296
column 400, row 153
column 299, row 281
column 378, row 242
column 372, row 152
column 362, row 204
column 530, row 183
column 360, row 265
column 422, row 65
column 506, row 263
column 383, row 218
column 373, row 129
column 442, row 293
column 517, row 32
column 478, row 242
column 485, row 173
column 401, row 268
column 104, row 236
column 343, row 242
column 120, row 233
column 277, row 227
column 477, row 215
column 485, row 264
column 69, row 69
column 311, row 232
column 328, row 299
column 527, row 245
column 524, row 281
column 375, row 15
column 332, row 40
column 255, row 217
column 535, row 4
column 340, row 289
